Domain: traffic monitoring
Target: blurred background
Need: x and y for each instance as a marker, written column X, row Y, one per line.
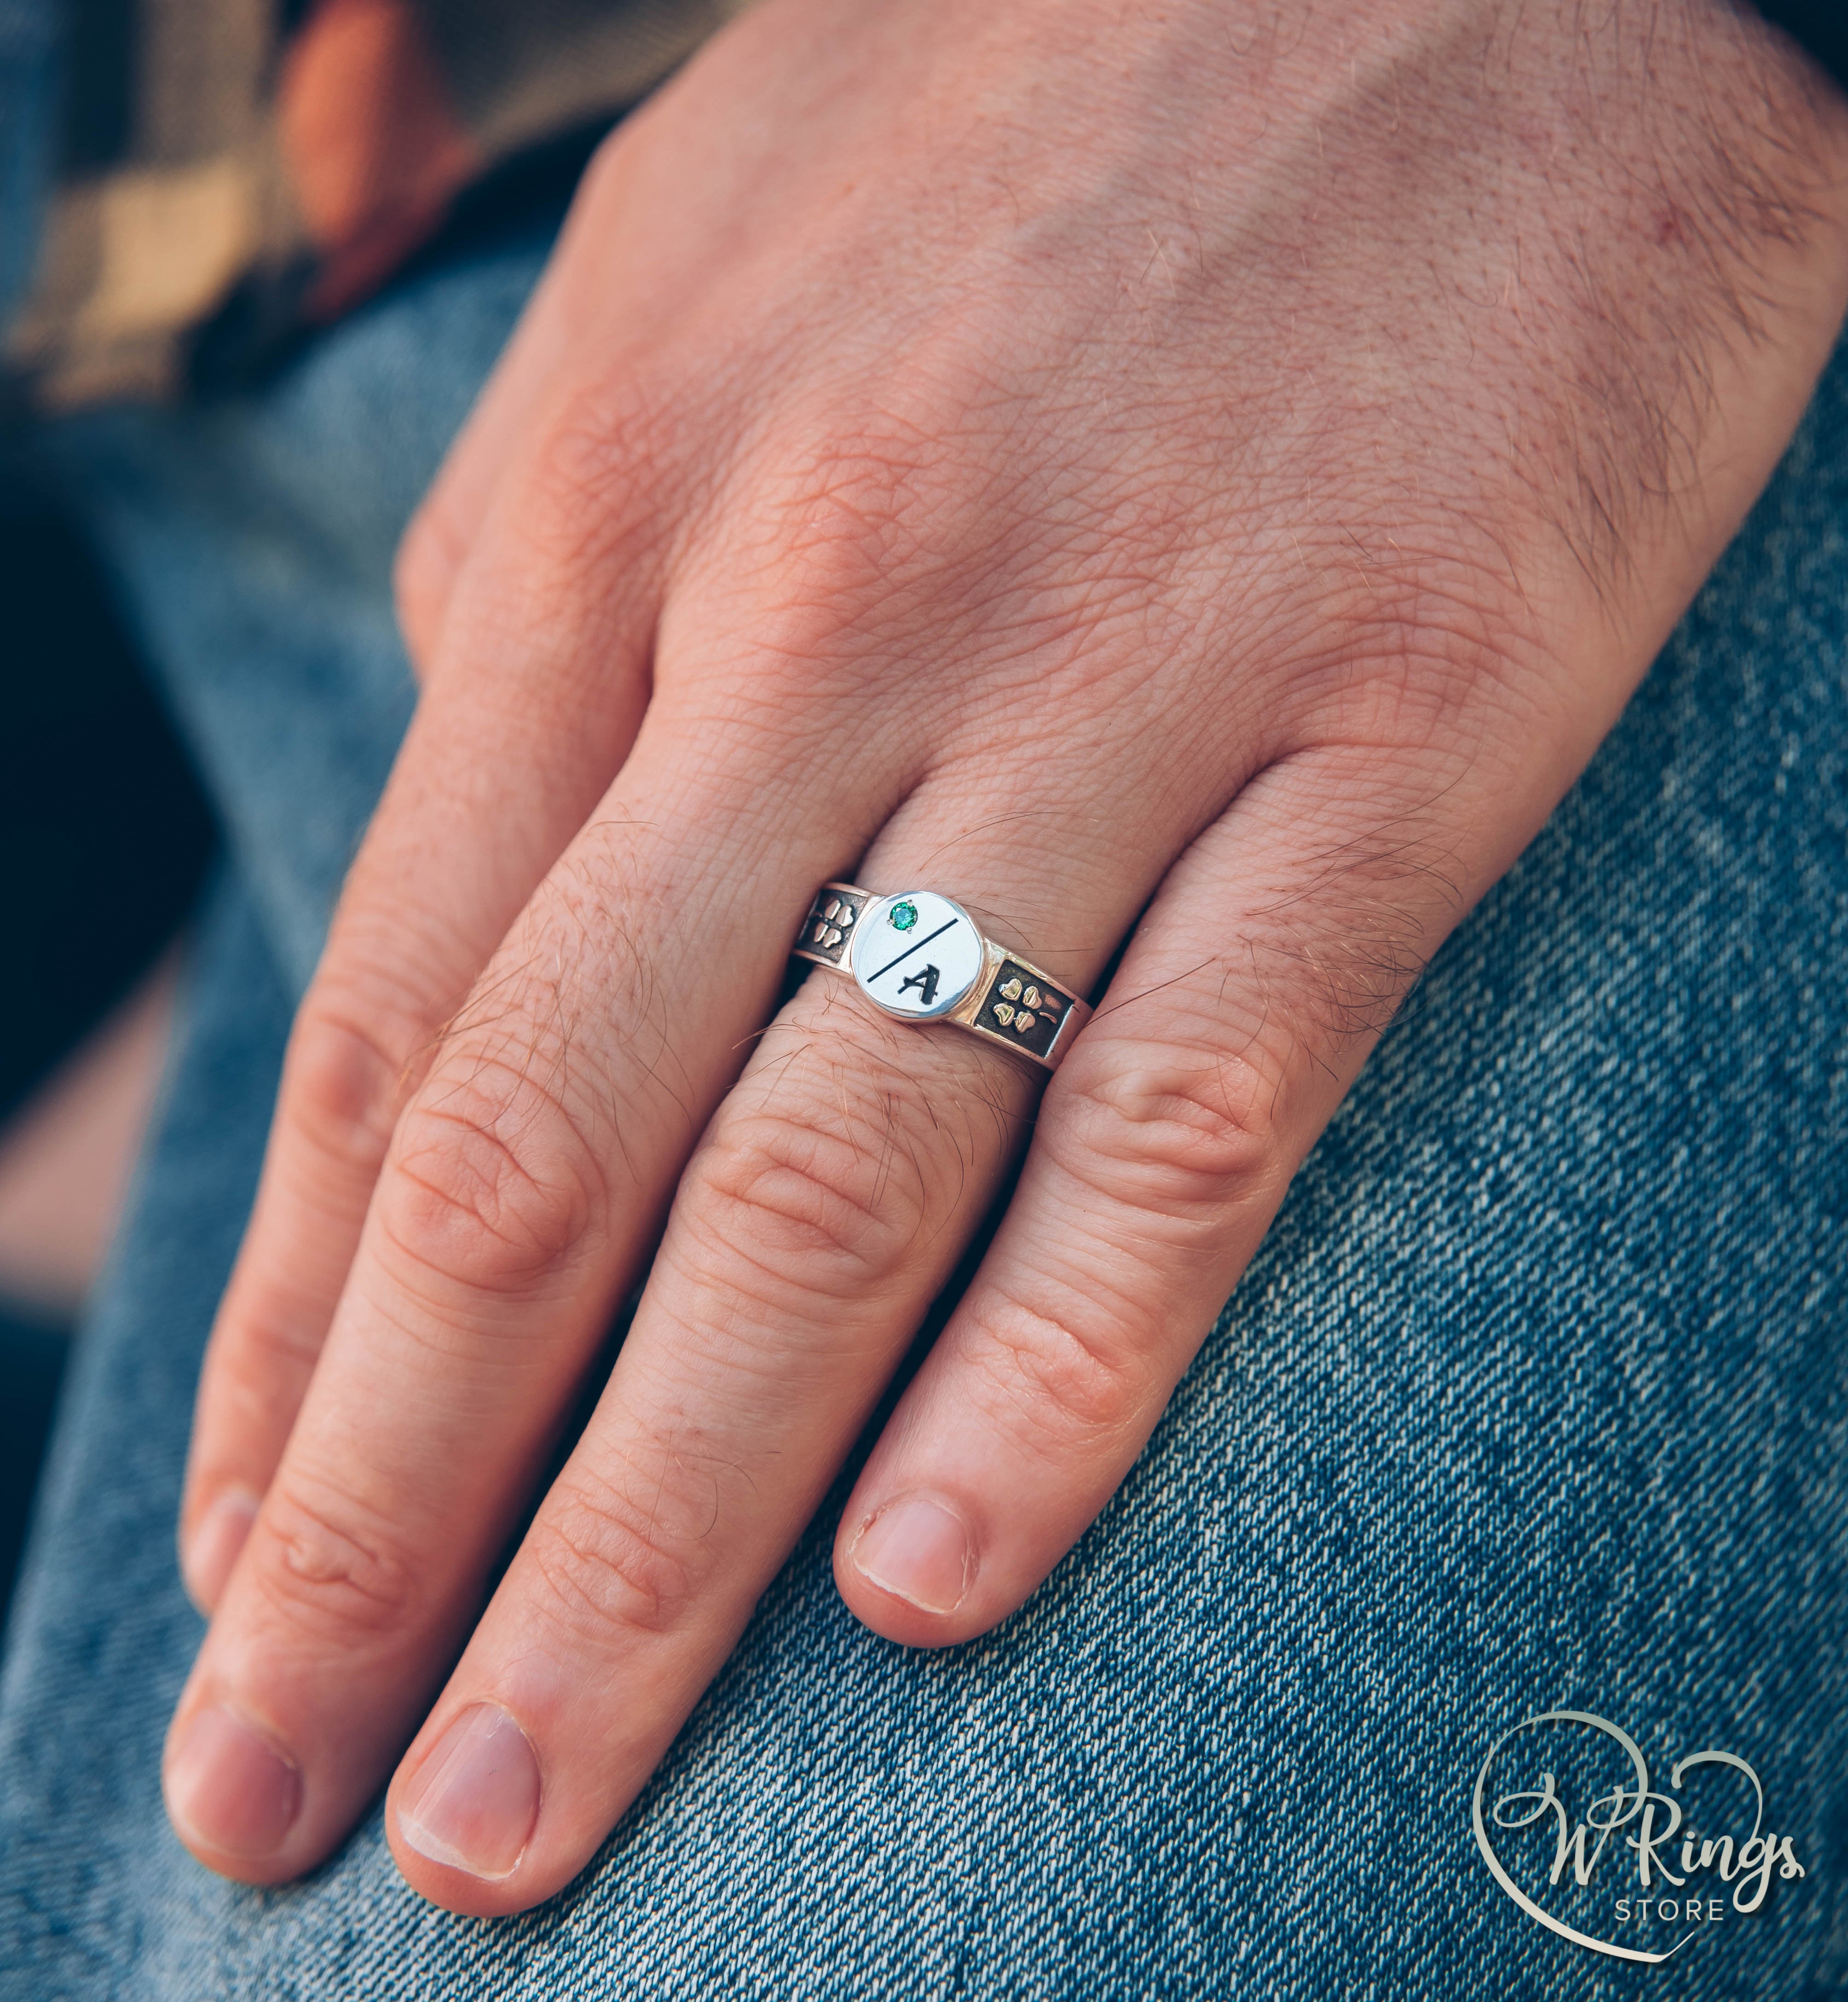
column 105, row 842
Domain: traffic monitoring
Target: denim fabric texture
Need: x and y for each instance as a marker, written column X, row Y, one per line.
column 1536, row 1395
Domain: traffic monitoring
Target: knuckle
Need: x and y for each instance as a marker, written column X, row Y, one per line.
column 839, row 541
column 1424, row 643
column 345, row 1082
column 1173, row 1133
column 493, row 1180
column 608, row 1559
column 266, row 1347
column 1047, row 1381
column 851, row 518
column 335, row 1568
column 587, row 502
column 829, row 1198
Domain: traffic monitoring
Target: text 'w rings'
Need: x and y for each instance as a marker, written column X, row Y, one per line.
column 920, row 957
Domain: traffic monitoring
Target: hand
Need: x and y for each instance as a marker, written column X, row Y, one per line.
column 1205, row 474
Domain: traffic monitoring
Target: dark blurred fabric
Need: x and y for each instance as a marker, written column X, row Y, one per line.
column 103, row 827
column 104, row 837
column 104, row 833
column 32, row 1359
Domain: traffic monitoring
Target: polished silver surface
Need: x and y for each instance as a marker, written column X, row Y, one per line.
column 918, row 956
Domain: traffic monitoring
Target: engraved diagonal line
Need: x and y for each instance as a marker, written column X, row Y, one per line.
column 908, row 950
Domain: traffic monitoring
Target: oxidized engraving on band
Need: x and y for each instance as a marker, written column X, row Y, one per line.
column 827, row 931
column 1022, row 1010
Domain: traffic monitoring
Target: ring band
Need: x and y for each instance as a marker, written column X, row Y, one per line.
column 920, row 957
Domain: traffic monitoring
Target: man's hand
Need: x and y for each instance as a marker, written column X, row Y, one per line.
column 1207, row 472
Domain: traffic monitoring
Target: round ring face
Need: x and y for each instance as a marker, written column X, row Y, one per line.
column 916, row 954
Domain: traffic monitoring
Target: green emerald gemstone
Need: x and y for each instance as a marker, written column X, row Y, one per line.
column 902, row 916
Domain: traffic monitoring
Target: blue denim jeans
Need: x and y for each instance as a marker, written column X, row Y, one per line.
column 1536, row 1399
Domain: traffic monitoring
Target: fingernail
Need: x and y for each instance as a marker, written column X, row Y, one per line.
column 229, row 1787
column 917, row 1549
column 473, row 1801
column 212, row 1548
